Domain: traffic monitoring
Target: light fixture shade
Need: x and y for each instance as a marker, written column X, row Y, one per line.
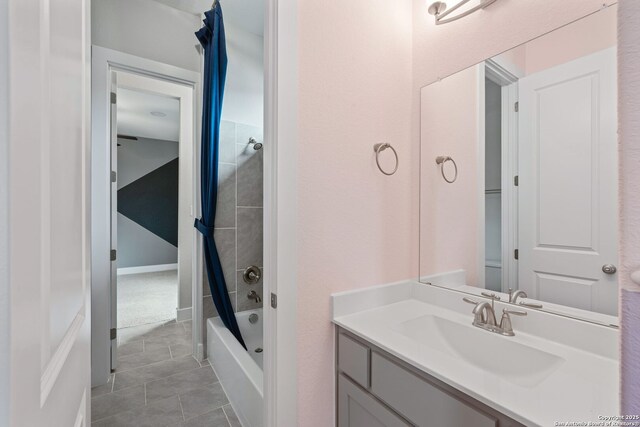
column 459, row 10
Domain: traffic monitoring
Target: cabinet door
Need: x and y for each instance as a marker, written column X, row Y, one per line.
column 356, row 408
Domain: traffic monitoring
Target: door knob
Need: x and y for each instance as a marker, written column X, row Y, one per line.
column 609, row 269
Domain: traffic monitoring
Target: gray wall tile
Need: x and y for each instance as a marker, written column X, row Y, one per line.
column 243, row 289
column 245, row 303
column 226, row 206
column 226, row 245
column 250, row 170
column 241, row 184
column 249, row 237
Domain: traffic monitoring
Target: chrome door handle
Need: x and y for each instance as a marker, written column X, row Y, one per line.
column 609, row 269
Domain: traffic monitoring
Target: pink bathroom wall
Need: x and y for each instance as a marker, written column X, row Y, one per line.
column 450, row 127
column 629, row 129
column 357, row 227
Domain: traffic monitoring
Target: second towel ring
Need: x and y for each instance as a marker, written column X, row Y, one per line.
column 378, row 148
column 441, row 160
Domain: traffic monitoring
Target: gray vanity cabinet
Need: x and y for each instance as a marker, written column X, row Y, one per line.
column 375, row 389
column 357, row 408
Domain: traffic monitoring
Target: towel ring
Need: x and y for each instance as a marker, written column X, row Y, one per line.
column 378, row 148
column 441, row 160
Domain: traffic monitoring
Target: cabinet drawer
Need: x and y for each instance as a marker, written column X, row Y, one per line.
column 354, row 359
column 420, row 401
column 356, row 408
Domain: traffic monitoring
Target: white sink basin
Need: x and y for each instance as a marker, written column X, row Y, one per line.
column 503, row 356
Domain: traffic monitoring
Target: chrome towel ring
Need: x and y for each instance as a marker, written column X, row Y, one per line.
column 441, row 160
column 378, row 148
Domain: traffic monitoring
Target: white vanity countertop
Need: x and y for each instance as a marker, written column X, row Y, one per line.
column 581, row 386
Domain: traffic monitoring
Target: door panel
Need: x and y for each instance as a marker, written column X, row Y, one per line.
column 568, row 183
column 48, row 203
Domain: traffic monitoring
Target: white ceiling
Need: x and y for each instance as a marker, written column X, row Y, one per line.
column 246, row 14
column 135, row 118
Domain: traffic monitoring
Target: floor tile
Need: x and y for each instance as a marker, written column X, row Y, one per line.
column 202, row 400
column 134, row 333
column 129, row 348
column 103, row 389
column 181, row 350
column 161, row 413
column 231, row 416
column 142, row 359
column 180, row 383
column 167, row 340
column 154, row 372
column 214, row 418
column 114, row 403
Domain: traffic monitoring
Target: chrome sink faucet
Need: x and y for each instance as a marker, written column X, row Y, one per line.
column 513, row 298
column 484, row 317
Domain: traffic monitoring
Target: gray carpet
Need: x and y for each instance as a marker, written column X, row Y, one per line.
column 147, row 298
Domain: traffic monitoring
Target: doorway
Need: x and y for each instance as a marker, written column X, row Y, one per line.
column 152, row 139
column 146, row 207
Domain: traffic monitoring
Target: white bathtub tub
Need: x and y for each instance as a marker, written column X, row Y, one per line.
column 239, row 371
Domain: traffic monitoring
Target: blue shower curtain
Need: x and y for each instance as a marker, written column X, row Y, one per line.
column 212, row 39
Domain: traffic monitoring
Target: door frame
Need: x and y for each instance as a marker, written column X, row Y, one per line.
column 103, row 62
column 508, row 81
column 280, row 212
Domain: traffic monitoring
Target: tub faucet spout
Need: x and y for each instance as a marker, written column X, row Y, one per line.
column 254, row 296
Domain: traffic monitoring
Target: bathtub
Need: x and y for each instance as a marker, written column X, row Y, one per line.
column 239, row 370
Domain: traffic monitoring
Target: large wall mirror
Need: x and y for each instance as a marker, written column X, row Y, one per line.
column 519, row 174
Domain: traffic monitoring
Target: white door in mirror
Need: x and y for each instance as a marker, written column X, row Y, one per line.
column 568, row 191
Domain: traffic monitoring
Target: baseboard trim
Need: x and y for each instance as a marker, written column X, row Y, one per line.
column 147, row 269
column 183, row 314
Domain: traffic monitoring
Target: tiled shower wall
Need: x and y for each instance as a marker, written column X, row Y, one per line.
column 238, row 227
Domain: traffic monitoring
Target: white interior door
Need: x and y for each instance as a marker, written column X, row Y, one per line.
column 114, row 220
column 568, row 183
column 49, row 239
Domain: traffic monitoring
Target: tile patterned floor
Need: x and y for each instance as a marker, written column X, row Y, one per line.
column 158, row 383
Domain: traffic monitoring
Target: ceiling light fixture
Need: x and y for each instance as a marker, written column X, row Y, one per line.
column 439, row 10
column 158, row 114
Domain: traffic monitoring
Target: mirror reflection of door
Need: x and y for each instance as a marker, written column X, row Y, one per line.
column 568, row 183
